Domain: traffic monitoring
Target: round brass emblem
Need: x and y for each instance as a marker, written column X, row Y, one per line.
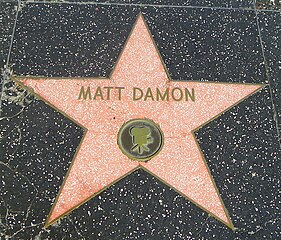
column 140, row 139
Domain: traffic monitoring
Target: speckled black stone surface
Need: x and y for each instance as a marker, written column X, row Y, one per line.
column 71, row 40
column 270, row 34
column 241, row 147
column 7, row 17
column 225, row 49
column 185, row 3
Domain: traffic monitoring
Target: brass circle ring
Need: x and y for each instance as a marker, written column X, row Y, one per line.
column 140, row 139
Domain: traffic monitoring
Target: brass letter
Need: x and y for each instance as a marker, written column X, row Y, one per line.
column 119, row 92
column 108, row 92
column 192, row 96
column 181, row 94
column 134, row 93
column 162, row 97
column 98, row 94
column 82, row 93
column 148, row 94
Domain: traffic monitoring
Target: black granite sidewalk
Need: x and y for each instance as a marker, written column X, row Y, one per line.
column 223, row 41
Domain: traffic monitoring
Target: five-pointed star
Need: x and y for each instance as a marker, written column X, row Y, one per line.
column 99, row 162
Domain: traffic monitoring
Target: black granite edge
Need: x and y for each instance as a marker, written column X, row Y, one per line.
column 9, row 13
column 266, row 22
column 9, row 1
column 269, row 10
column 244, row 164
column 268, row 5
column 211, row 4
column 145, row 8
column 26, row 165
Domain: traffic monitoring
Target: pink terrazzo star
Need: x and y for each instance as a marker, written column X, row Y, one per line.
column 99, row 162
